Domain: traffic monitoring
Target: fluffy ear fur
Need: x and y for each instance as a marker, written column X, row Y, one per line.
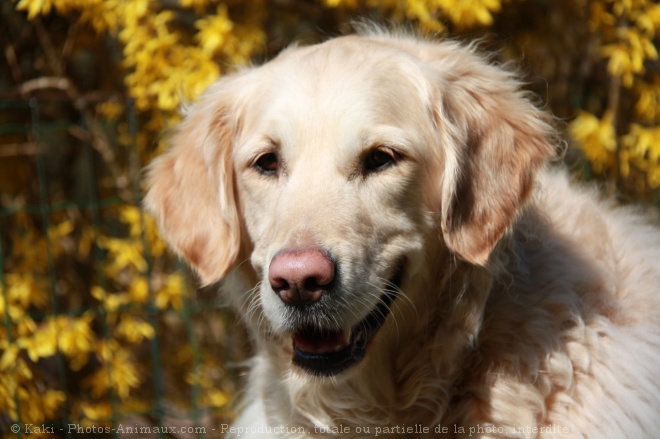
column 494, row 140
column 190, row 188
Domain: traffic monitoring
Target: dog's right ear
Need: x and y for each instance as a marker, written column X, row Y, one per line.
column 190, row 188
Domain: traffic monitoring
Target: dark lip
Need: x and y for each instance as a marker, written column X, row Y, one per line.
column 333, row 363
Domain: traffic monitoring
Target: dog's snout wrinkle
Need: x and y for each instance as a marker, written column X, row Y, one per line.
column 301, row 277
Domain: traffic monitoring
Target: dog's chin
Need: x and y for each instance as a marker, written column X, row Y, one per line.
column 323, row 352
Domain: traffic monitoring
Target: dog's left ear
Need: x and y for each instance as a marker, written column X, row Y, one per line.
column 494, row 141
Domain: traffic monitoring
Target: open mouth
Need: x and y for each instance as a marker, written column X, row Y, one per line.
column 326, row 352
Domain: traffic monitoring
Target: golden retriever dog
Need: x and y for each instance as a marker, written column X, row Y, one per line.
column 381, row 211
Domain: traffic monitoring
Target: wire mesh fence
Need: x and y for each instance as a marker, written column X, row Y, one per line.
column 103, row 333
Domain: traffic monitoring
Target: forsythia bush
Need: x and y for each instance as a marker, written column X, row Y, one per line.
column 90, row 348
column 623, row 138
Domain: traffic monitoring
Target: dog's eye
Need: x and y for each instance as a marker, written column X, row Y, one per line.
column 267, row 164
column 379, row 159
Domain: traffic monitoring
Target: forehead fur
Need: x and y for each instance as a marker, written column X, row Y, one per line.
column 339, row 81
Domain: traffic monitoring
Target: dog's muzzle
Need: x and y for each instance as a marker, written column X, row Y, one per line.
column 301, row 279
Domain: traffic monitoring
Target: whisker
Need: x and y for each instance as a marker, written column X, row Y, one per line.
column 380, row 297
column 349, row 307
column 400, row 294
column 396, row 305
column 252, row 302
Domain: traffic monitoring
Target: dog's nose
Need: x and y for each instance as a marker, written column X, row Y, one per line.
column 301, row 277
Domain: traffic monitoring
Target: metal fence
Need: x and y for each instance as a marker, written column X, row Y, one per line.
column 103, row 333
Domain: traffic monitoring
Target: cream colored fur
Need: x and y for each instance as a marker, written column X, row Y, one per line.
column 530, row 308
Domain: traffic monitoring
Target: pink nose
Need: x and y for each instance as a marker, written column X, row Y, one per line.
column 301, row 277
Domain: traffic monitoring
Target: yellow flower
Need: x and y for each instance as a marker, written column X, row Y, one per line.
column 26, row 326
column 418, row 10
column 139, row 221
column 134, row 330
column 9, row 355
column 653, row 177
column 105, row 349
column 118, row 373
column 138, row 290
column 76, row 338
column 214, row 30
column 104, row 15
column 112, row 302
column 622, row 62
column 643, row 143
column 627, row 46
column 133, row 217
column 41, row 344
column 25, row 290
column 86, row 241
column 15, row 312
column 123, row 254
column 50, row 402
column 21, row 371
column 35, row 7
column 470, row 13
column 207, row 376
column 111, row 110
column 600, row 17
column 198, row 5
column 95, row 413
column 172, row 293
column 59, row 231
column 642, row 149
column 29, row 246
column 596, row 138
column 216, row 398
column 197, row 71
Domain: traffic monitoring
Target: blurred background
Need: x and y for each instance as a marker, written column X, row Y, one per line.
column 101, row 326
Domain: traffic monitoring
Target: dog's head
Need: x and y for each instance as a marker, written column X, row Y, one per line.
column 340, row 168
